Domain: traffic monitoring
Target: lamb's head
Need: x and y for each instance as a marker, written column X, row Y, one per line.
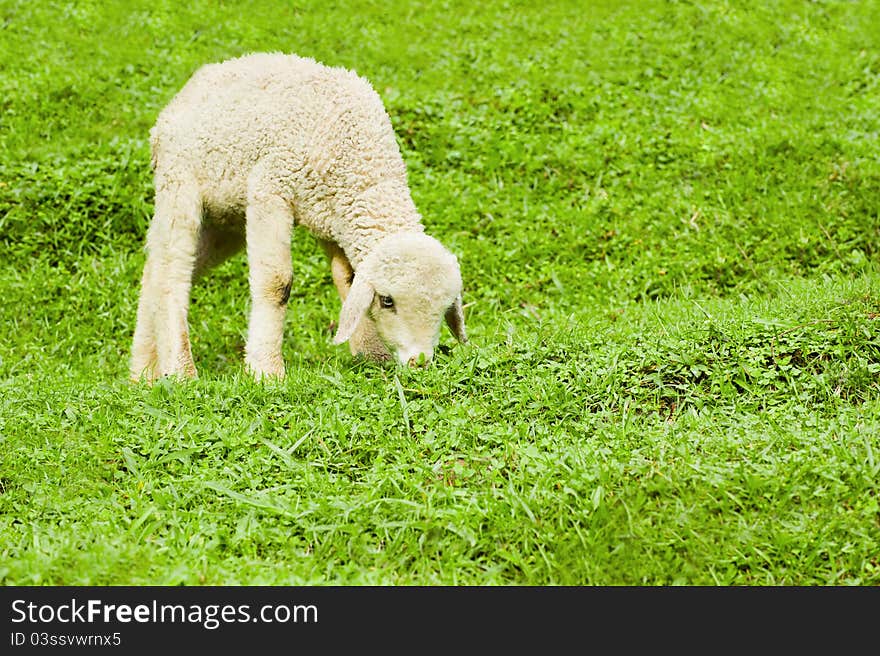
column 406, row 285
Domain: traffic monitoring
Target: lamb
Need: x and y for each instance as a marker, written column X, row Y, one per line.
column 248, row 149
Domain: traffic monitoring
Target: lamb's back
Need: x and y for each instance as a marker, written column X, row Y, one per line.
column 239, row 110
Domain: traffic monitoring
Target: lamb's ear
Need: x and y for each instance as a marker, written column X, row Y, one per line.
column 356, row 304
column 455, row 319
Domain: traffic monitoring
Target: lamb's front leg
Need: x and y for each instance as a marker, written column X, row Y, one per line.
column 365, row 341
column 269, row 224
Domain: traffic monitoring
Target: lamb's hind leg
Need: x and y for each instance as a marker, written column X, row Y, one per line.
column 144, row 358
column 161, row 344
column 268, row 229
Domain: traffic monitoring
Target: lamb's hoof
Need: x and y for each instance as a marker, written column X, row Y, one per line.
column 177, row 376
column 142, row 379
column 265, row 373
column 152, row 373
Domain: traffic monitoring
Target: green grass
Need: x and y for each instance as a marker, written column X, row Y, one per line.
column 668, row 220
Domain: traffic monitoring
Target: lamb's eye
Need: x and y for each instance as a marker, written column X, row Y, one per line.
column 386, row 302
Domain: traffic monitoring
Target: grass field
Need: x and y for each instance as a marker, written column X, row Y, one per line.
column 668, row 220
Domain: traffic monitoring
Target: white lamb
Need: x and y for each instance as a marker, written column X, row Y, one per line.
column 246, row 150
